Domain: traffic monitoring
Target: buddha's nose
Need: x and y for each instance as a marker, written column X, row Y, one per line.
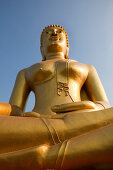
column 54, row 33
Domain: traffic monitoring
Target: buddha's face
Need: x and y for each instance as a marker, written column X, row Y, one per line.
column 54, row 41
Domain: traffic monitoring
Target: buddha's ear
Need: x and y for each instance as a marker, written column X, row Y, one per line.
column 43, row 55
column 67, row 51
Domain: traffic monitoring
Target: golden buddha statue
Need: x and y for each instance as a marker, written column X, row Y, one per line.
column 71, row 123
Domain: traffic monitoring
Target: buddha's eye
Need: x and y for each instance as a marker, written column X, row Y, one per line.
column 47, row 32
column 59, row 31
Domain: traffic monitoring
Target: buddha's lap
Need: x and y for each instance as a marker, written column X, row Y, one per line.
column 21, row 132
column 80, row 152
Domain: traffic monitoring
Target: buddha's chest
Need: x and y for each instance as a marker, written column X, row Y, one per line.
column 62, row 71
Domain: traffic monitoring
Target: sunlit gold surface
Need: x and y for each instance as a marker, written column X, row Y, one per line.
column 70, row 125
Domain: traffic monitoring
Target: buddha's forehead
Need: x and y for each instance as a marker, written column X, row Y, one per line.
column 49, row 29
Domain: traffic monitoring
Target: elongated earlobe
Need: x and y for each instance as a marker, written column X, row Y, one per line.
column 67, row 51
column 43, row 55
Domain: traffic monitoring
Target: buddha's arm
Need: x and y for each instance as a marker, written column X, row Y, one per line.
column 20, row 94
column 95, row 89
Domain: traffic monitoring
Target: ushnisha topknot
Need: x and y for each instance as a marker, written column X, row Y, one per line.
column 48, row 28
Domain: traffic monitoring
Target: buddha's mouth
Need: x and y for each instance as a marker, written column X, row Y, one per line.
column 55, row 38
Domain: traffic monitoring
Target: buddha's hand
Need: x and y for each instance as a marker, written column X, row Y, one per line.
column 75, row 106
column 37, row 115
column 30, row 114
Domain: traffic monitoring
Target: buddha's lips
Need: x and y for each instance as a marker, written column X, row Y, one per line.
column 54, row 38
column 54, row 48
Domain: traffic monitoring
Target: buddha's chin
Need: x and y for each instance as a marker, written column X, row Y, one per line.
column 54, row 48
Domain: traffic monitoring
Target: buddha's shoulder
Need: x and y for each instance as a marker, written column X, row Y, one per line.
column 34, row 66
column 88, row 68
column 24, row 71
column 79, row 64
column 42, row 64
column 74, row 62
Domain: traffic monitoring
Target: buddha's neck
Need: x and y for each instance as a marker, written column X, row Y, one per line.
column 55, row 55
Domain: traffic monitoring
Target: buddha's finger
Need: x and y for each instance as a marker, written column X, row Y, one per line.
column 31, row 114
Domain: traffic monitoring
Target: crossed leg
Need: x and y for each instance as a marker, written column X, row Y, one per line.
column 74, row 141
column 94, row 149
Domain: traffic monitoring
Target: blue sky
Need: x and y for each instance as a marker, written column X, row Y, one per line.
column 89, row 24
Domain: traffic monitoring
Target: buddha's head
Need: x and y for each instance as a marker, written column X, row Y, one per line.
column 54, row 40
